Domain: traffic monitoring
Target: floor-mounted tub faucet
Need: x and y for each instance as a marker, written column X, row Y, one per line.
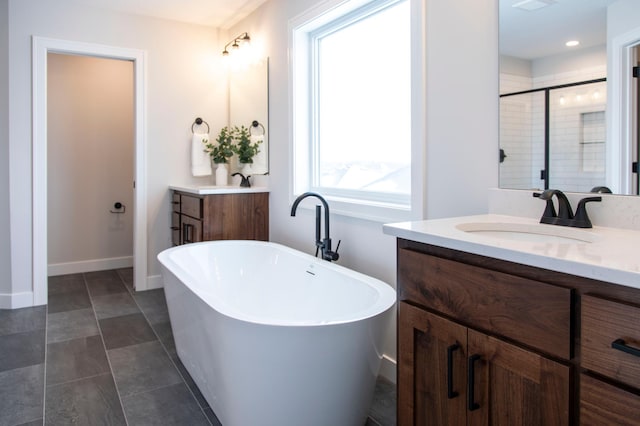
column 323, row 245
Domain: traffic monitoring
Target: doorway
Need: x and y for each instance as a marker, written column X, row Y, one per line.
column 89, row 163
column 41, row 48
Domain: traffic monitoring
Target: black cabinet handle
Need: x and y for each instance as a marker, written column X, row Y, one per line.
column 471, row 382
column 450, row 392
column 185, row 232
column 620, row 345
column 175, row 228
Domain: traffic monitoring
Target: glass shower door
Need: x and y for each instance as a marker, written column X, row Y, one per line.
column 522, row 140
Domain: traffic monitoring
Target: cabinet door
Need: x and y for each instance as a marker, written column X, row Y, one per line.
column 237, row 217
column 605, row 404
column 431, row 369
column 512, row 386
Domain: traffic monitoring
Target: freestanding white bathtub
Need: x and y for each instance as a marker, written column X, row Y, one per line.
column 273, row 336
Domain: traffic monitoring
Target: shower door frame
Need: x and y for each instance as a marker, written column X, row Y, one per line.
column 545, row 173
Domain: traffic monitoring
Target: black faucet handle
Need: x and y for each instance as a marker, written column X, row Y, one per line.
column 333, row 255
column 549, row 210
column 581, row 219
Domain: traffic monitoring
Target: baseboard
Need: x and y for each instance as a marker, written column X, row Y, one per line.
column 89, row 265
column 16, row 300
column 153, row 282
column 388, row 369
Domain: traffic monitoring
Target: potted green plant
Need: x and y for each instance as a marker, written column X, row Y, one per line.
column 245, row 148
column 220, row 152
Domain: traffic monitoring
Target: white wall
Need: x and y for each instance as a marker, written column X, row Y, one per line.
column 461, row 124
column 622, row 16
column 571, row 62
column 90, row 146
column 184, row 80
column 462, row 106
column 5, row 241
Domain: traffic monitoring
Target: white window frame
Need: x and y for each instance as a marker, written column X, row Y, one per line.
column 301, row 31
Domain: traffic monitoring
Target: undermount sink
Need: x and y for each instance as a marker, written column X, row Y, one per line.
column 528, row 232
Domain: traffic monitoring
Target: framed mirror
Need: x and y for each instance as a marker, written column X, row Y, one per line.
column 554, row 97
column 249, row 107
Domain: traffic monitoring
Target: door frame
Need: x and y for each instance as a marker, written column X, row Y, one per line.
column 41, row 46
column 620, row 112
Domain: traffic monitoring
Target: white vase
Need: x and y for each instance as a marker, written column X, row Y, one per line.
column 222, row 175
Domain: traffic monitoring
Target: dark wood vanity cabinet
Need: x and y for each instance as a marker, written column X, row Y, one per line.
column 454, row 375
column 238, row 216
column 483, row 341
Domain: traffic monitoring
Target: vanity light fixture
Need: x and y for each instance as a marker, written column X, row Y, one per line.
column 572, row 43
column 236, row 43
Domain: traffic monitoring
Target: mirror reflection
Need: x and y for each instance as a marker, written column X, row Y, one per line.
column 553, row 95
column 249, row 107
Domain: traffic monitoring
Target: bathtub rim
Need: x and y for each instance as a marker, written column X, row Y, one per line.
column 386, row 300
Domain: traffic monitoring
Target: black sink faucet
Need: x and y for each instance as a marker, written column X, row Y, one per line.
column 323, row 245
column 565, row 216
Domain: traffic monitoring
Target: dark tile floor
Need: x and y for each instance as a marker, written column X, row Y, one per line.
column 100, row 353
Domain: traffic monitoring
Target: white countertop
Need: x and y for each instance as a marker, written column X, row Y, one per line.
column 208, row 190
column 611, row 256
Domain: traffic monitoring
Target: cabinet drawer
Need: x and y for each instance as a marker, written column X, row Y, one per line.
column 605, row 404
column 531, row 312
column 191, row 206
column 175, row 202
column 603, row 323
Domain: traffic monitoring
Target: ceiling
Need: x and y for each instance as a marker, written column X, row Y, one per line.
column 523, row 34
column 215, row 13
column 543, row 32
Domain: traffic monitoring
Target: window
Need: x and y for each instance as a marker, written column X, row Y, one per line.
column 352, row 105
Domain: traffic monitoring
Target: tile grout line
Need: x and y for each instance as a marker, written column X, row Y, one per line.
column 131, row 292
column 104, row 345
column 79, row 379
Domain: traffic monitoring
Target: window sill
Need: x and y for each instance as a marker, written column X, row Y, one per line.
column 365, row 210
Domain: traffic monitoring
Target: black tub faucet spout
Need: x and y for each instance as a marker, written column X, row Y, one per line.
column 322, row 245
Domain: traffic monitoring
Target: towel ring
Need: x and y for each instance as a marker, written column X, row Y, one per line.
column 256, row 124
column 198, row 122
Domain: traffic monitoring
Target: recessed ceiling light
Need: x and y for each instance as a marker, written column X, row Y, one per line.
column 572, row 43
column 533, row 4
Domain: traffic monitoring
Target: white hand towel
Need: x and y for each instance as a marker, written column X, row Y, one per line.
column 200, row 160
